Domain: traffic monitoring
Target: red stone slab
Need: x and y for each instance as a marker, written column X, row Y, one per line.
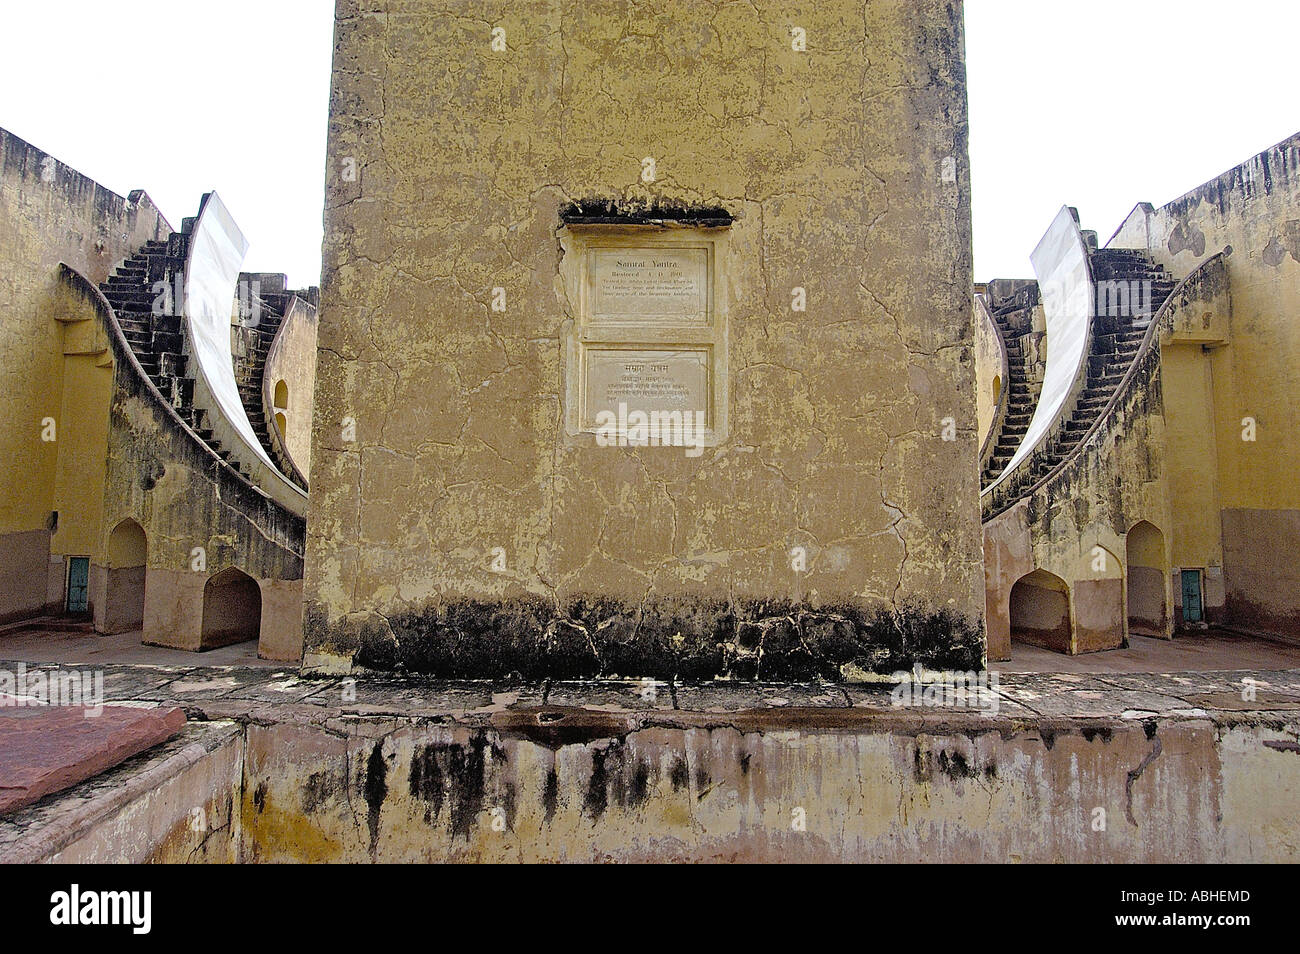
column 46, row 749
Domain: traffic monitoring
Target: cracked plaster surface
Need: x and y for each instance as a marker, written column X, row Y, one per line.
column 830, row 162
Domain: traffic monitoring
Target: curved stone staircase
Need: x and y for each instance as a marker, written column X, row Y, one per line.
column 1116, row 339
column 1021, row 392
column 152, row 324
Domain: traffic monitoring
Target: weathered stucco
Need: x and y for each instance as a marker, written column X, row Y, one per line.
column 93, row 451
column 1193, row 452
column 1076, row 523
column 1116, row 769
column 49, row 213
column 292, row 362
column 990, row 371
column 748, row 788
column 1244, row 525
column 455, row 522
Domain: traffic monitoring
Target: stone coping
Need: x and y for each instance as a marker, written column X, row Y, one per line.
column 38, row 831
column 592, row 707
column 45, row 749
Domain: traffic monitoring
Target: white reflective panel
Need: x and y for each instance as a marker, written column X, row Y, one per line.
column 217, row 249
column 1065, row 283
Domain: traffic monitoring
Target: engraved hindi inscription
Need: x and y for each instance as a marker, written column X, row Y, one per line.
column 647, row 380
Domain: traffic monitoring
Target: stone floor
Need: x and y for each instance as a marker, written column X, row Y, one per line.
column 1199, row 653
column 1185, row 677
column 1213, row 650
column 265, row 694
column 34, row 645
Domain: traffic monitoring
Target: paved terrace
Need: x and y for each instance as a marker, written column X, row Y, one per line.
column 267, row 694
column 1189, row 677
column 1232, row 688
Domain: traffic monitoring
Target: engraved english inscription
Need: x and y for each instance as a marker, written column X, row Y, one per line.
column 649, row 284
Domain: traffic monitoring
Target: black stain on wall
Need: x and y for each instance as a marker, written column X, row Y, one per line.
column 375, row 789
column 455, row 774
column 551, row 794
column 319, row 789
column 682, row 638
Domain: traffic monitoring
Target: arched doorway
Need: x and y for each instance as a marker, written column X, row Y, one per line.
column 1148, row 611
column 232, row 609
column 128, row 552
column 1040, row 611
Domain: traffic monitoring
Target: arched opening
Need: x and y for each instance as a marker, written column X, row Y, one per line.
column 280, row 424
column 1040, row 611
column 281, row 395
column 128, row 551
column 232, row 609
column 1148, row 611
column 997, row 389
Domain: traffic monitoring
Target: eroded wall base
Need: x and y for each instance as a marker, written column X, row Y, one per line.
column 24, row 571
column 422, row 771
column 685, row 637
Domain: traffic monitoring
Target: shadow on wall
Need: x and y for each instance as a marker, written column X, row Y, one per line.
column 124, row 593
column 1040, row 611
column 232, row 609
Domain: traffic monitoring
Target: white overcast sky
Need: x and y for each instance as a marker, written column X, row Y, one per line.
column 1096, row 103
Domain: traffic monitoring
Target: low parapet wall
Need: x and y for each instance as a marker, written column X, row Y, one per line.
column 1196, row 767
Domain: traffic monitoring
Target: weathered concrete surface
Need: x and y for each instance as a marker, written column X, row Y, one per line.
column 171, row 805
column 801, row 785
column 1183, row 768
column 787, row 773
column 1134, row 471
column 1241, row 522
column 45, row 749
column 450, row 504
column 90, row 446
column 288, row 383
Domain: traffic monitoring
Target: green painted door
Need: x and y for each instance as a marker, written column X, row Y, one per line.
column 1191, row 596
column 78, row 584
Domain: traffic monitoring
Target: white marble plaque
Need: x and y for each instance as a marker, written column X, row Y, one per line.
column 646, row 380
column 642, row 285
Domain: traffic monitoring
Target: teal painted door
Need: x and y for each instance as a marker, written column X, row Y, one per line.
column 1191, row 596
column 78, row 584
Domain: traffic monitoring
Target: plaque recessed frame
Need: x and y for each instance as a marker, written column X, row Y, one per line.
column 650, row 317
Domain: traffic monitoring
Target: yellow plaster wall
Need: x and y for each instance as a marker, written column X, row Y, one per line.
column 49, row 213
column 1191, row 456
column 1252, row 214
column 845, row 166
column 292, row 359
column 1255, row 210
column 988, row 370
